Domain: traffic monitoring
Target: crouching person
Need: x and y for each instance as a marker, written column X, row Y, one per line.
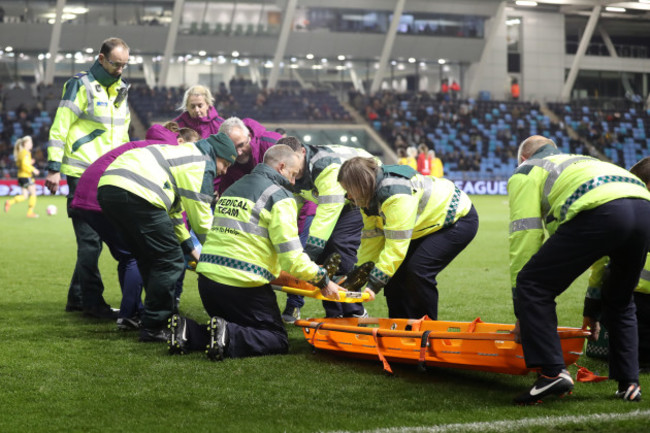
column 143, row 193
column 254, row 236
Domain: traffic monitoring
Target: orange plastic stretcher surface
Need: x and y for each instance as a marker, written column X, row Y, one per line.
column 467, row 345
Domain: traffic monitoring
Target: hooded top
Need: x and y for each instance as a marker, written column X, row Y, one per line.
column 85, row 196
column 205, row 126
column 261, row 140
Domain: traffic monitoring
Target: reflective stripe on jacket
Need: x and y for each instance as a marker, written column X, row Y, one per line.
column 90, row 121
column 406, row 205
column 174, row 178
column 254, row 235
column 551, row 188
column 320, row 185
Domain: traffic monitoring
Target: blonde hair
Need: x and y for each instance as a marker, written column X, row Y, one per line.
column 196, row 90
column 358, row 176
column 20, row 145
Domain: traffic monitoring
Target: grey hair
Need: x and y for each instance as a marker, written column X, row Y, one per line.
column 233, row 122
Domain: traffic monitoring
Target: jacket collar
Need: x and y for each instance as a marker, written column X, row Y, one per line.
column 101, row 75
column 267, row 171
column 544, row 151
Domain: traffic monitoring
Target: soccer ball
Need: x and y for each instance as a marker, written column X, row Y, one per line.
column 51, row 210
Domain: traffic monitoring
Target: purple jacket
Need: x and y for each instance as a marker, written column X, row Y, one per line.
column 85, row 196
column 205, row 126
column 261, row 140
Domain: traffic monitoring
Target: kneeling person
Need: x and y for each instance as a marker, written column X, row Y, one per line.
column 253, row 237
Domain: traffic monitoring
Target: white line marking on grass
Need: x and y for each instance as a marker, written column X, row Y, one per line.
column 515, row 424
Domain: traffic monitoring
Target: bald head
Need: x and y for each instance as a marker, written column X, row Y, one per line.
column 529, row 146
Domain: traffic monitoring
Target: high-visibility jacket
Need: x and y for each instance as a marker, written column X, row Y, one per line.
column 93, row 118
column 551, row 188
column 320, row 185
column 598, row 275
column 406, row 205
column 174, row 178
column 254, row 234
column 24, row 163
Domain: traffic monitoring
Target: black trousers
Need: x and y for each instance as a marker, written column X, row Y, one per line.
column 345, row 240
column 149, row 233
column 86, row 287
column 618, row 229
column 254, row 322
column 642, row 302
column 412, row 292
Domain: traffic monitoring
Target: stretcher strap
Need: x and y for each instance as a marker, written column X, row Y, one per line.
column 423, row 349
column 382, row 358
column 472, row 326
column 584, row 375
column 313, row 337
column 415, row 326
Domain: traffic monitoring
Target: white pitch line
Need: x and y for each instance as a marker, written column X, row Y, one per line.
column 483, row 427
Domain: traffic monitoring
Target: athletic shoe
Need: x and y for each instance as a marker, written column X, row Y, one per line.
column 363, row 315
column 7, row 206
column 101, row 312
column 290, row 314
column 128, row 323
column 331, row 264
column 32, row 215
column 544, row 386
column 629, row 392
column 218, row 338
column 154, row 335
column 177, row 342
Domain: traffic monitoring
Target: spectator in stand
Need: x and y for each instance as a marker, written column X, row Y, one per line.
column 514, row 89
column 198, row 112
column 26, row 173
column 455, row 90
column 444, row 89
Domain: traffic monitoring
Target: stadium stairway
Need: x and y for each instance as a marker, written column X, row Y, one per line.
column 573, row 134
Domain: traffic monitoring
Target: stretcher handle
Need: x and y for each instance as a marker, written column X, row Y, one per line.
column 564, row 334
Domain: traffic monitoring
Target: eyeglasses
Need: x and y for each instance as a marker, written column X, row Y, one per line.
column 117, row 65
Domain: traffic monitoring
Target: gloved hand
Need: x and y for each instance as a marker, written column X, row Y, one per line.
column 357, row 277
column 331, row 264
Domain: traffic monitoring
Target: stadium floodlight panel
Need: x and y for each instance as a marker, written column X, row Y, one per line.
column 614, row 9
column 525, row 3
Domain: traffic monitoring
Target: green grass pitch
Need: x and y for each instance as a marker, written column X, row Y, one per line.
column 60, row 372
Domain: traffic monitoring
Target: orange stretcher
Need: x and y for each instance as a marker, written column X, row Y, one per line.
column 466, row 345
column 290, row 284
